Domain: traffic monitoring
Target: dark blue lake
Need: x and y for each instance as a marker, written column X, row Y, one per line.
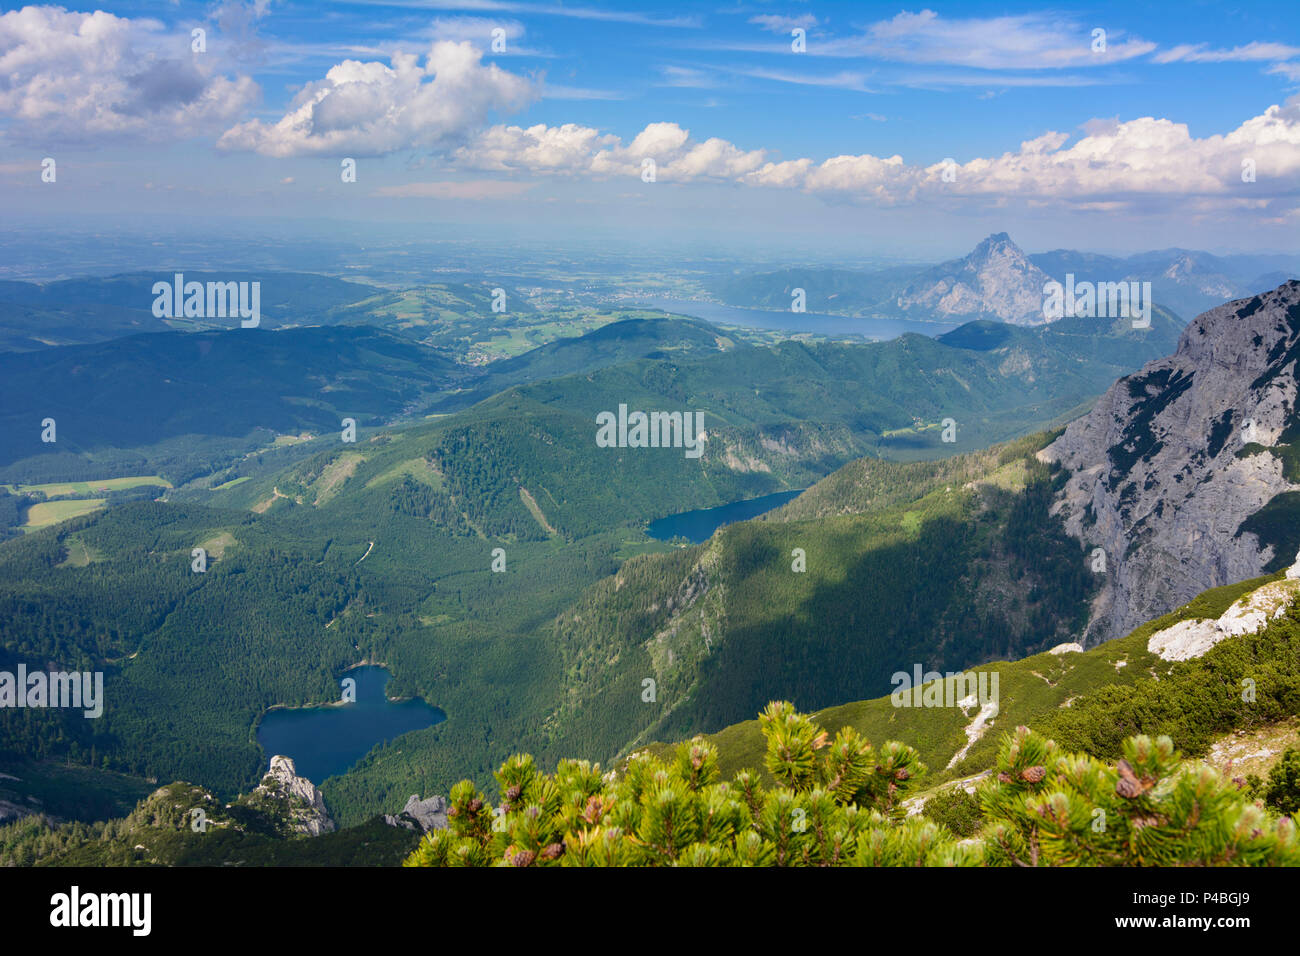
column 697, row 526
column 326, row 741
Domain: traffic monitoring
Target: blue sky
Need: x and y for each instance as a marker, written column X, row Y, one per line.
column 908, row 128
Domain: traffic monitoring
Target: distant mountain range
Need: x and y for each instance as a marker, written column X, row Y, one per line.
column 80, row 311
column 1000, row 282
column 996, row 282
column 995, row 380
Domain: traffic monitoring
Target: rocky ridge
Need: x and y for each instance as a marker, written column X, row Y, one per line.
column 1173, row 468
column 301, row 802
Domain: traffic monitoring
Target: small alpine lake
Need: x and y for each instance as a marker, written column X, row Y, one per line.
column 327, row 741
column 698, row 526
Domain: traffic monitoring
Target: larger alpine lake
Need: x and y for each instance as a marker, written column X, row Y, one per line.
column 327, row 741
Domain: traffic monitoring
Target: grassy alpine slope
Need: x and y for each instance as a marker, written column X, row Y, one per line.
column 1088, row 701
column 1087, row 782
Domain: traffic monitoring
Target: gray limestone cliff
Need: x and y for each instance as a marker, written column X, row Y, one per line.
column 430, row 814
column 298, row 800
column 1186, row 472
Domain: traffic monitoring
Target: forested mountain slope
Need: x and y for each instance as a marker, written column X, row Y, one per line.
column 775, row 418
column 1089, row 703
column 144, row 389
column 382, row 549
column 929, row 569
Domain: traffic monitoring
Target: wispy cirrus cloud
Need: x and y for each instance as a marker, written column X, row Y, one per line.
column 688, row 77
column 843, row 80
column 1247, row 53
column 577, row 12
column 784, row 24
column 947, row 79
column 1290, row 70
column 1031, row 41
column 559, row 91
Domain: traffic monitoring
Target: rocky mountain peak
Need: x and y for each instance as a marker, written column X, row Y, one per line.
column 1175, row 466
column 997, row 242
column 996, row 281
column 302, row 801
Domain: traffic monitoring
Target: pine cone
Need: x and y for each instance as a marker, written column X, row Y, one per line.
column 1033, row 774
column 523, row 858
column 1129, row 786
column 1129, row 783
column 553, row 851
column 512, row 793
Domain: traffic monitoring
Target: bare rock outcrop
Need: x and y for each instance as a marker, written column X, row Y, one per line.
column 1174, row 466
column 430, row 814
column 301, row 803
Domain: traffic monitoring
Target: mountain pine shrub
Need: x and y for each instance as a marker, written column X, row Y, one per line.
column 1282, row 792
column 839, row 802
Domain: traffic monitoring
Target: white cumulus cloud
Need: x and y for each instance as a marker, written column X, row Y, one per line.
column 581, row 150
column 1111, row 163
column 89, row 78
column 370, row 108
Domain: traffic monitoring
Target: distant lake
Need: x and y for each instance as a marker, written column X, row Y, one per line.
column 819, row 323
column 697, row 526
column 326, row 741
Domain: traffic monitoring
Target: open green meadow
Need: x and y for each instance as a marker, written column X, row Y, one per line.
column 45, row 513
column 88, row 489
